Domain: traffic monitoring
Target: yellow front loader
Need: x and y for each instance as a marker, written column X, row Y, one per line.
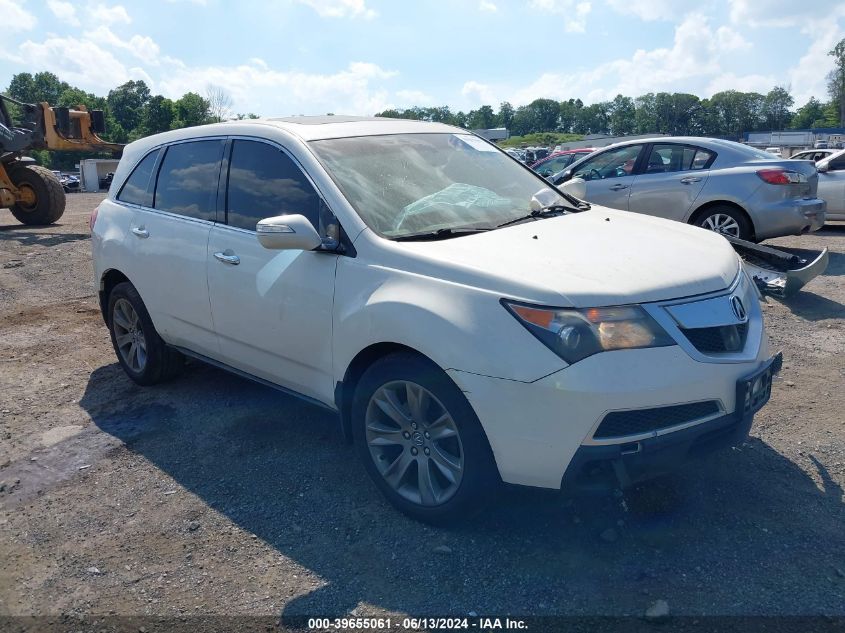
column 32, row 193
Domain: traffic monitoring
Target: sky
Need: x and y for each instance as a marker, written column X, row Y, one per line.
column 285, row 57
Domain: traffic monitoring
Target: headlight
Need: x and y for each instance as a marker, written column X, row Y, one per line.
column 576, row 334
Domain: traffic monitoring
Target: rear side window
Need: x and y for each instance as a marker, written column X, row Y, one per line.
column 671, row 158
column 138, row 189
column 265, row 182
column 188, row 178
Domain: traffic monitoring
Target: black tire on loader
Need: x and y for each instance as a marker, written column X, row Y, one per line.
column 44, row 190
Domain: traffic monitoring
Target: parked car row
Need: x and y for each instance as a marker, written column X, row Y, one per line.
column 468, row 323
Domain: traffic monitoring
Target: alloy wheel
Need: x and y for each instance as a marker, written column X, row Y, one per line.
column 129, row 335
column 722, row 223
column 414, row 443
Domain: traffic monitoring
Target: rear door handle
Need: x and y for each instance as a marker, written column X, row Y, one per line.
column 690, row 179
column 618, row 187
column 232, row 260
column 141, row 232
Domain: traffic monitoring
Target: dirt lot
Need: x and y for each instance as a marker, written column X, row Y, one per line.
column 214, row 495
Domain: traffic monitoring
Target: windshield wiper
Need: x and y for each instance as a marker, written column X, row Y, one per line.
column 439, row 234
column 551, row 211
column 582, row 205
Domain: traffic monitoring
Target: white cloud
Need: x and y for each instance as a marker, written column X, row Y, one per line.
column 785, row 13
column 15, row 17
column 808, row 77
column 744, row 83
column 104, row 14
column 357, row 89
column 341, row 8
column 413, row 98
column 487, row 6
column 65, row 11
column 574, row 13
column 696, row 56
column 202, row 3
column 80, row 62
column 650, row 10
column 478, row 93
column 141, row 46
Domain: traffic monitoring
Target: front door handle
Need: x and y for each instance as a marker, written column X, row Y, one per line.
column 619, row 187
column 232, row 260
column 141, row 232
column 690, row 179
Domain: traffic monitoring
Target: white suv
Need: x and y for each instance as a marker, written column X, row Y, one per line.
column 468, row 324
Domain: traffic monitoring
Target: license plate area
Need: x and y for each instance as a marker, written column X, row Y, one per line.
column 754, row 391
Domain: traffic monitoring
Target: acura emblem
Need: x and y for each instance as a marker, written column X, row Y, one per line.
column 739, row 309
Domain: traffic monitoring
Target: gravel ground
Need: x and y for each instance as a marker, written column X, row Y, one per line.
column 213, row 495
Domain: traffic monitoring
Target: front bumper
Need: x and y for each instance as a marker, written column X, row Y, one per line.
column 607, row 467
column 536, row 429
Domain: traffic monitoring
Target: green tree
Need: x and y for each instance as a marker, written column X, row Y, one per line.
column 126, row 103
column 809, row 115
column 777, row 107
column 568, row 114
column 836, row 79
column 505, row 116
column 622, row 118
column 482, row 119
column 158, row 115
column 546, row 113
column 191, row 109
column 645, row 115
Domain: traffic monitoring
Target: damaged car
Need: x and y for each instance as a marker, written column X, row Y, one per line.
column 468, row 324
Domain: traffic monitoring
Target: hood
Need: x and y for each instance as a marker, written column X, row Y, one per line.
column 597, row 258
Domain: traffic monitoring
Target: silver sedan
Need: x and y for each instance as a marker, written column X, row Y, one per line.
column 719, row 185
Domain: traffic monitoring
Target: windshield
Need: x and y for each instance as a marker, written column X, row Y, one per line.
column 404, row 184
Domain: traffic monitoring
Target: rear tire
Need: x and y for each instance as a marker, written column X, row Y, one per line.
column 421, row 441
column 46, row 197
column 725, row 219
column 144, row 356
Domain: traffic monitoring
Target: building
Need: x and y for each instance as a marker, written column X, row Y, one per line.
column 791, row 141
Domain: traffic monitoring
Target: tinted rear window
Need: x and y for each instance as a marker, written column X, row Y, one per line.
column 187, row 180
column 137, row 189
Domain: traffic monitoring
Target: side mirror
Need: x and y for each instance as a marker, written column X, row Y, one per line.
column 577, row 187
column 823, row 168
column 287, row 232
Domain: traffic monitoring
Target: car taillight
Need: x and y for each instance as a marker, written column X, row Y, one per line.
column 93, row 219
column 781, row 176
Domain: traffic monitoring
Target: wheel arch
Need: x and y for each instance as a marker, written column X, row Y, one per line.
column 345, row 390
column 109, row 279
column 700, row 211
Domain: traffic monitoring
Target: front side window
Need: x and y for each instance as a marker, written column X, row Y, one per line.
column 614, row 163
column 137, row 189
column 666, row 158
column 265, row 182
column 188, row 178
column 404, row 184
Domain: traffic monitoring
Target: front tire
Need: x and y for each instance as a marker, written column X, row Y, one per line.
column 421, row 441
column 144, row 356
column 43, row 196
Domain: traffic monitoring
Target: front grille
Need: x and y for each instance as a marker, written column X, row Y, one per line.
column 622, row 423
column 714, row 340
